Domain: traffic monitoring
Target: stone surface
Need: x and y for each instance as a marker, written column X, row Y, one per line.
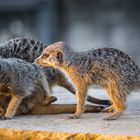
column 11, row 134
column 127, row 124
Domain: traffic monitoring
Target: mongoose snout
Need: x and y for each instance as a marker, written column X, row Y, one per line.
column 51, row 57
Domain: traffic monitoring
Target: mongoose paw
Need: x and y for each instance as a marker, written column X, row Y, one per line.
column 72, row 117
column 49, row 100
column 3, row 118
column 113, row 116
column 53, row 99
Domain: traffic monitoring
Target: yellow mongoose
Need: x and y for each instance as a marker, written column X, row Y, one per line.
column 108, row 67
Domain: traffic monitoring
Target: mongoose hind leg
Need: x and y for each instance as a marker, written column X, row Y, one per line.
column 118, row 98
column 108, row 109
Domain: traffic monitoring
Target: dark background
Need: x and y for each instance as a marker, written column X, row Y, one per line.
column 83, row 24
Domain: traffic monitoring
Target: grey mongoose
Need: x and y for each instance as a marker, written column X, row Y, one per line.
column 19, row 80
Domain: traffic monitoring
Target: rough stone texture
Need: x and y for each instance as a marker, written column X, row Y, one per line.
column 11, row 134
column 128, row 124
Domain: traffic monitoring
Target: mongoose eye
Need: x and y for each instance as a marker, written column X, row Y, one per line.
column 45, row 55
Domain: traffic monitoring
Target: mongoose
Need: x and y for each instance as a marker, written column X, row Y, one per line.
column 20, row 79
column 29, row 49
column 32, row 105
column 108, row 67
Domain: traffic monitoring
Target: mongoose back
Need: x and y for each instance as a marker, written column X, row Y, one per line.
column 20, row 79
column 108, row 67
column 29, row 49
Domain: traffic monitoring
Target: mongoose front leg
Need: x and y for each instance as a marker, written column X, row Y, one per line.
column 80, row 96
column 12, row 107
column 48, row 100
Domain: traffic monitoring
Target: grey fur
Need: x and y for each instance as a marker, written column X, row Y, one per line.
column 21, row 78
column 29, row 49
column 23, row 48
column 106, row 60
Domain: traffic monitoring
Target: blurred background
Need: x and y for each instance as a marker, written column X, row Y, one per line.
column 83, row 24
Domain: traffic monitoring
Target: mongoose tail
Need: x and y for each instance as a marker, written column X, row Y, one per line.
column 98, row 101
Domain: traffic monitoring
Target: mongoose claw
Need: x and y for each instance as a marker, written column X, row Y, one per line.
column 3, row 118
column 72, row 117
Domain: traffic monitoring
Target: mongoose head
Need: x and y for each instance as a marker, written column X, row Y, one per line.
column 52, row 55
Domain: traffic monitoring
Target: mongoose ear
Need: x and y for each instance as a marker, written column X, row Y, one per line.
column 59, row 56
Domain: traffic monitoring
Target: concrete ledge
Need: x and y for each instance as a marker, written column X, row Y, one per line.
column 12, row 134
column 90, row 126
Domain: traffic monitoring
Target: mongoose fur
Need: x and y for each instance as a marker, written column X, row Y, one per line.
column 108, row 67
column 29, row 49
